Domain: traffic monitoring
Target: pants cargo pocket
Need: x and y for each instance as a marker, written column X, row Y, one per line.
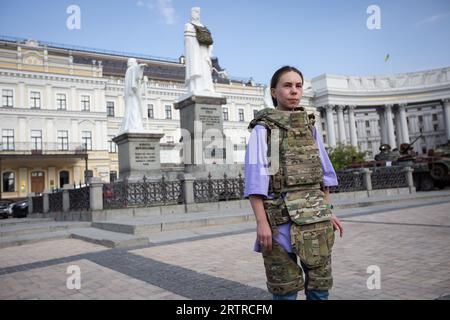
column 312, row 243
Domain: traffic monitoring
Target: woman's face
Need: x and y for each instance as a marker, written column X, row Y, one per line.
column 289, row 90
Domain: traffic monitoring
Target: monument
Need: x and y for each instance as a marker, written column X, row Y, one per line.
column 139, row 150
column 201, row 115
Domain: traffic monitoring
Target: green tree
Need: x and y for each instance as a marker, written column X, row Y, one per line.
column 344, row 155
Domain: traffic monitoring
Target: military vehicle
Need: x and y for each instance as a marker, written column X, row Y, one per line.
column 430, row 171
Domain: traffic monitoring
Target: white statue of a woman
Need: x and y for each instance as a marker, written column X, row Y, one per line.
column 198, row 52
column 132, row 120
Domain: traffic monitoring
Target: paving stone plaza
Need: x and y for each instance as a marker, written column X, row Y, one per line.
column 406, row 240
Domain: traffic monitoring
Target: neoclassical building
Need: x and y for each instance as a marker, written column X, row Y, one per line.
column 368, row 111
column 62, row 105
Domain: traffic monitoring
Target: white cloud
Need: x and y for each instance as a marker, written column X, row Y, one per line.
column 167, row 10
column 434, row 18
column 163, row 7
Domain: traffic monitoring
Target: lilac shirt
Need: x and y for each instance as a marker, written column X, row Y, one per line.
column 257, row 176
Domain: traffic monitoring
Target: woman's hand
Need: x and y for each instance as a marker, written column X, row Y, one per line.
column 264, row 235
column 337, row 225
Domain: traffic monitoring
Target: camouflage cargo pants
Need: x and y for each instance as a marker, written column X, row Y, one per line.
column 313, row 244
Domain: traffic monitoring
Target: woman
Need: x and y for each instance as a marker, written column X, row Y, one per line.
column 293, row 214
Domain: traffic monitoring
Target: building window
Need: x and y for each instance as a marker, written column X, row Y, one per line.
column 8, row 139
column 168, row 112
column 367, row 124
column 368, row 133
column 150, row 114
column 241, row 115
column 420, row 118
column 324, row 138
column 63, row 140
column 86, row 139
column 254, row 113
column 369, row 145
column 110, row 108
column 35, row 100
column 435, row 127
column 225, row 114
column 61, row 103
column 323, row 126
column 435, row 117
column 7, row 98
column 8, row 181
column 63, row 178
column 112, row 176
column 85, row 103
column 36, row 140
column 243, row 141
column 112, row 146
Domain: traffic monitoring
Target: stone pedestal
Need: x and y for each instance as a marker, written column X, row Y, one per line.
column 205, row 145
column 139, row 155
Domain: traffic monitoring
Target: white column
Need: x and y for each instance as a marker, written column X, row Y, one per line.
column 48, row 99
column 159, row 112
column 352, row 126
column 52, row 178
column 101, row 100
column 341, row 124
column 330, row 126
column 398, row 130
column 120, row 112
column 48, row 135
column 23, row 181
column 74, row 136
column 97, row 141
column 73, row 100
column 382, row 117
column 95, row 102
column 21, row 96
column 318, row 124
column 446, row 107
column 104, row 135
column 403, row 122
column 390, row 126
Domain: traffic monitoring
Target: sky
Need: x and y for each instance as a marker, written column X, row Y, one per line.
column 253, row 38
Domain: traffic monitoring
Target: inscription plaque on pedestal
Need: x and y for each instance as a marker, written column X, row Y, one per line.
column 139, row 155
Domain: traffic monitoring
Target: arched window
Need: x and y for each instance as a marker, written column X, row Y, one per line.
column 63, row 178
column 9, row 181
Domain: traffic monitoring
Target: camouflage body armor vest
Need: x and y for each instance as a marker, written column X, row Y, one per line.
column 300, row 172
column 297, row 198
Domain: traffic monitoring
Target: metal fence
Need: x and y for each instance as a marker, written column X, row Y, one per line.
column 125, row 194
column 38, row 204
column 349, row 181
column 388, row 177
column 146, row 193
column 210, row 190
column 55, row 202
column 79, row 198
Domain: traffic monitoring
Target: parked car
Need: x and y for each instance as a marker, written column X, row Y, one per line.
column 20, row 209
column 5, row 208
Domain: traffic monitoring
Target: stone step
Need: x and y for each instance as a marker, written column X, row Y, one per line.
column 16, row 221
column 108, row 238
column 385, row 199
column 150, row 225
column 40, row 227
column 33, row 238
column 202, row 232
